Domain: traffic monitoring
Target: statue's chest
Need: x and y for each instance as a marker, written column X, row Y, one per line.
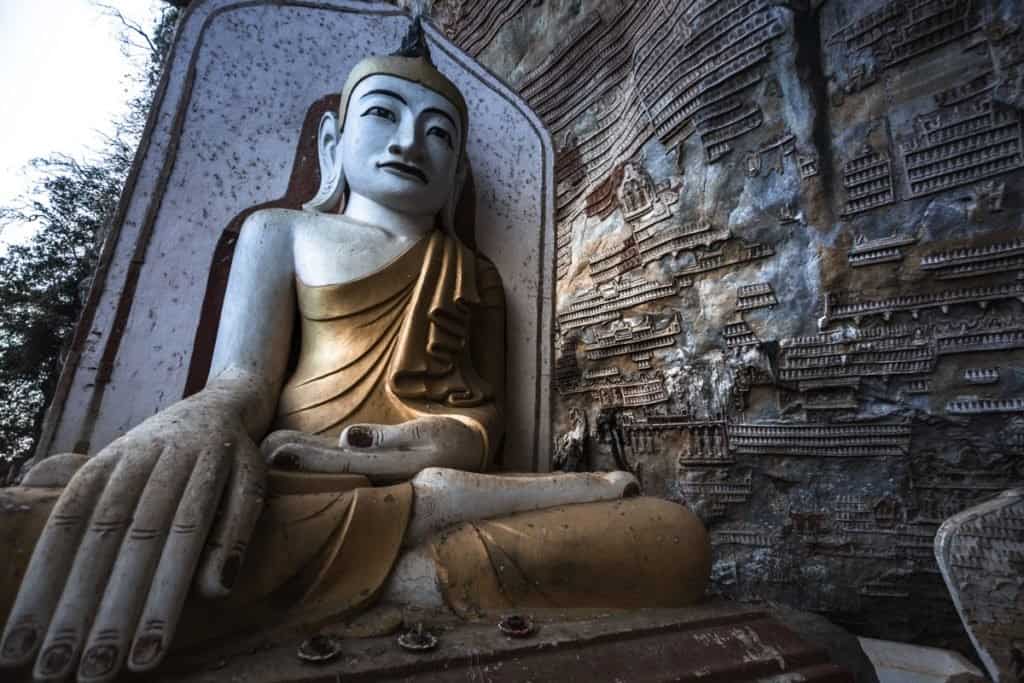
column 340, row 257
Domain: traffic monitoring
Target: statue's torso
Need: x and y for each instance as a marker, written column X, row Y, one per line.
column 389, row 328
column 349, row 332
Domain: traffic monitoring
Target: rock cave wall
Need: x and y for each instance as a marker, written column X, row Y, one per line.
column 789, row 273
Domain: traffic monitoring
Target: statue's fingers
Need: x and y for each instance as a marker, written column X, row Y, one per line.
column 169, row 587
column 51, row 562
column 230, row 536
column 311, row 459
column 360, row 436
column 290, row 450
column 91, row 569
column 112, row 629
column 385, row 437
column 284, row 440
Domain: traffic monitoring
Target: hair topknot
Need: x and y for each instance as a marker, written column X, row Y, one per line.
column 414, row 44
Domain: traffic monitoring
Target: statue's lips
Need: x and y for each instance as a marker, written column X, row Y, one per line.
column 404, row 169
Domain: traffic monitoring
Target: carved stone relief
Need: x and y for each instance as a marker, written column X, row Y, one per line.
column 789, row 243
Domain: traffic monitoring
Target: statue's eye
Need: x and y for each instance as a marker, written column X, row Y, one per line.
column 443, row 134
column 381, row 112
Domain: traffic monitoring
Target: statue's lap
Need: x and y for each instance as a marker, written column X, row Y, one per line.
column 326, row 543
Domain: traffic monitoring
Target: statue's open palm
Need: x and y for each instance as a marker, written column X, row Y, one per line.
column 110, row 573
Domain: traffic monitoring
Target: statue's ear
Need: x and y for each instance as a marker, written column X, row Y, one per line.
column 332, row 179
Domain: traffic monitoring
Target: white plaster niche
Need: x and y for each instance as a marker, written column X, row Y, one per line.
column 226, row 132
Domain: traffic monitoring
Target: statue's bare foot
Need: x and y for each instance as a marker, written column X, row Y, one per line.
column 627, row 485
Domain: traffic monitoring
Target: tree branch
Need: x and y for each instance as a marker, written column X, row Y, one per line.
column 129, row 26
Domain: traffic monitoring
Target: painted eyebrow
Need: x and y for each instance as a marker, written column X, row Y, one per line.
column 434, row 110
column 389, row 93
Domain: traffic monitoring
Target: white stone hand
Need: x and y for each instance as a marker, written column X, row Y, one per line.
column 381, row 452
column 436, row 434
column 110, row 573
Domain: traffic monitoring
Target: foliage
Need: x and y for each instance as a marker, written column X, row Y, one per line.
column 43, row 282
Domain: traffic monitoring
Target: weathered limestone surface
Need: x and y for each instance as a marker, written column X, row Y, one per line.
column 979, row 553
column 788, row 243
column 903, row 663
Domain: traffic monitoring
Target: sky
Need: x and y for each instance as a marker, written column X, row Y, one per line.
column 62, row 82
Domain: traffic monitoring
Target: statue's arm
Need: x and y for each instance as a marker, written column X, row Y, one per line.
column 256, row 320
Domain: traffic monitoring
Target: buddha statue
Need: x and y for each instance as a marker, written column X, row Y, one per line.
column 296, row 495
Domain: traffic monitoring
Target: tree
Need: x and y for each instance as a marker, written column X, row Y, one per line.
column 43, row 281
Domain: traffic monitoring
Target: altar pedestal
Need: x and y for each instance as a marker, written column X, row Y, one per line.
column 711, row 642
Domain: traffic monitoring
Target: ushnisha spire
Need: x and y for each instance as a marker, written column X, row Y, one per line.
column 414, row 44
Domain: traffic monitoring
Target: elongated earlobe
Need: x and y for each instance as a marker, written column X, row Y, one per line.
column 332, row 177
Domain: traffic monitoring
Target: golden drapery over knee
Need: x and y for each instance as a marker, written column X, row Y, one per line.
column 636, row 552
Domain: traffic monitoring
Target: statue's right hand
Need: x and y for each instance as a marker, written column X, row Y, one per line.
column 110, row 573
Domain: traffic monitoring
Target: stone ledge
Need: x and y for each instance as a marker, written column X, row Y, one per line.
column 711, row 642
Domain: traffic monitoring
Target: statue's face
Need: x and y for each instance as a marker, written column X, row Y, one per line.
column 400, row 145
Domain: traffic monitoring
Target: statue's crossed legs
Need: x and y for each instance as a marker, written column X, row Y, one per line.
column 557, row 540
column 328, row 545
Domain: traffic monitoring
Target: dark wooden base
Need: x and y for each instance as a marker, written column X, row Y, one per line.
column 712, row 642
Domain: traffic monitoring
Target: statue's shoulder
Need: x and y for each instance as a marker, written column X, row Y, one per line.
column 274, row 219
column 267, row 234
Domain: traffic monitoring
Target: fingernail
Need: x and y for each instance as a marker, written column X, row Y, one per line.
column 287, row 461
column 98, row 661
column 230, row 571
column 55, row 660
column 360, row 437
column 20, row 642
column 146, row 650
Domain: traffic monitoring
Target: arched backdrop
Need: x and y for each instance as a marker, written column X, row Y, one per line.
column 232, row 129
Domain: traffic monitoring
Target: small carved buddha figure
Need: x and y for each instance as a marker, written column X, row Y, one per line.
column 370, row 484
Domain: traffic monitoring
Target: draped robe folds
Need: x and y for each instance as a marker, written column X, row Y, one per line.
column 421, row 336
column 400, row 344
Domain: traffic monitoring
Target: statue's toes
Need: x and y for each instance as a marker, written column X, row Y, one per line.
column 624, row 482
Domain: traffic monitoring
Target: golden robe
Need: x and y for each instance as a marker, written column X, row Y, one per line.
column 406, row 341
column 421, row 336
column 424, row 335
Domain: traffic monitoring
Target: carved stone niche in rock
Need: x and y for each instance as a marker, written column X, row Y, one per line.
column 636, row 193
column 236, row 78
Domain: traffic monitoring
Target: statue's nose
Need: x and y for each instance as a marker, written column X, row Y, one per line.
column 404, row 143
